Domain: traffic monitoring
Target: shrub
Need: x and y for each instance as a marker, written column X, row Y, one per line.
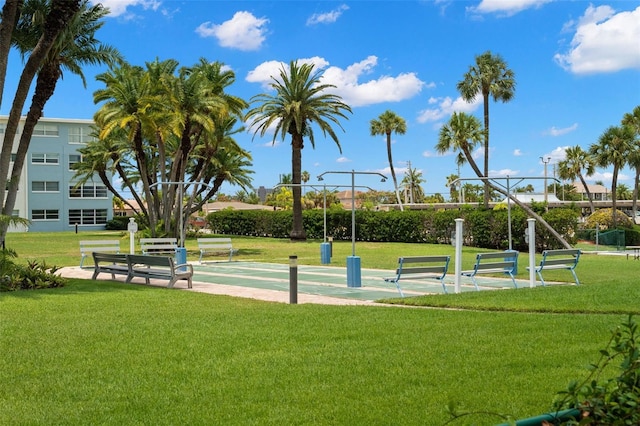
column 603, row 219
column 32, row 276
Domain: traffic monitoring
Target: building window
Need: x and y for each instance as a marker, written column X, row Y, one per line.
column 44, row 215
column 79, row 135
column 45, row 130
column 88, row 217
column 45, row 186
column 88, row 191
column 40, row 158
column 73, row 160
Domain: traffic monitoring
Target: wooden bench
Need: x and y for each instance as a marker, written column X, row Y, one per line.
column 158, row 245
column 104, row 246
column 160, row 267
column 558, row 259
column 505, row 262
column 417, row 267
column 215, row 245
column 110, row 263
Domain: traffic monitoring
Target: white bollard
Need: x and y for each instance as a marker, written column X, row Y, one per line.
column 532, row 251
column 458, row 254
column 132, row 227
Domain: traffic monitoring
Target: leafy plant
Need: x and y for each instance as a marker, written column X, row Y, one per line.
column 609, row 401
column 33, row 275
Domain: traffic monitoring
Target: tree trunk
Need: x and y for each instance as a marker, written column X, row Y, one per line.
column 297, row 231
column 393, row 172
column 45, row 86
column 10, row 15
column 486, row 149
column 589, row 196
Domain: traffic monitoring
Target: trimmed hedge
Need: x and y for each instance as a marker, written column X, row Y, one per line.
column 482, row 228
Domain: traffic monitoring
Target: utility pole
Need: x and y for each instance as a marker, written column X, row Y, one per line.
column 545, row 160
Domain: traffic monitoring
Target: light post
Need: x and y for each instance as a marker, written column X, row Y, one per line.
column 353, row 262
column 545, row 160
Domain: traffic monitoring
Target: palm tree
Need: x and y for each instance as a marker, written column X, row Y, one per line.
column 454, row 193
column 58, row 17
column 576, row 161
column 633, row 121
column 462, row 133
column 389, row 122
column 490, row 76
column 611, row 150
column 300, row 100
column 412, row 182
column 74, row 47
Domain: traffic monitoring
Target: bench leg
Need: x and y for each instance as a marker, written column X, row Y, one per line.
column 513, row 279
column 539, row 272
column 200, row 260
column 575, row 276
column 444, row 288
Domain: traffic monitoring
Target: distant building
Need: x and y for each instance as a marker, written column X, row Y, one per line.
column 537, row 198
column 598, row 192
column 47, row 194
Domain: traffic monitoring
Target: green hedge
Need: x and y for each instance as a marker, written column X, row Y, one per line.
column 482, row 228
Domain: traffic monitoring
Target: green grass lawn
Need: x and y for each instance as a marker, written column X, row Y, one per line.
column 101, row 352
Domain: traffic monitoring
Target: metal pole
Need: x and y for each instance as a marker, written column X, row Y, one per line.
column 532, row 251
column 353, row 213
column 293, row 280
column 458, row 254
column 324, row 192
column 509, row 211
column 180, row 196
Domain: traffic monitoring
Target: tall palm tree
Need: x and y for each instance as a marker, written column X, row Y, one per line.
column 633, row 121
column 74, row 47
column 577, row 161
column 389, row 122
column 10, row 15
column 300, row 100
column 612, row 149
column 490, row 76
column 463, row 133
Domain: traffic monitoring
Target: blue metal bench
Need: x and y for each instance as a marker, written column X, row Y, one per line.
column 434, row 267
column 558, row 259
column 505, row 262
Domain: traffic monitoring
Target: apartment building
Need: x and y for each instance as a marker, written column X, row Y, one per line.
column 48, row 195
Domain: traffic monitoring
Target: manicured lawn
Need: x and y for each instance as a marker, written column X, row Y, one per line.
column 108, row 353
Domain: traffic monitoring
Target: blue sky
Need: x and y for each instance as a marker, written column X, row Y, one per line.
column 576, row 64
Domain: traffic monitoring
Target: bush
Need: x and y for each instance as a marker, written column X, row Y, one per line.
column 603, row 219
column 32, row 276
column 118, row 223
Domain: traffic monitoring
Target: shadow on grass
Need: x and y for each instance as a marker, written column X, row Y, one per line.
column 79, row 286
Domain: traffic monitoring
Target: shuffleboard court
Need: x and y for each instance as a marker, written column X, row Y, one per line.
column 330, row 280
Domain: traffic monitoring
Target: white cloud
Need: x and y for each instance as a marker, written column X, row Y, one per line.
column 120, row 7
column 447, row 106
column 328, row 17
column 433, row 154
column 343, row 160
column 348, row 87
column 506, row 7
column 604, row 41
column 503, row 173
column 517, row 152
column 267, row 71
column 243, row 32
column 554, row 131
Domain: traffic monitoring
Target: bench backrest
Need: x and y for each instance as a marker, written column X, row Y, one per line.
column 218, row 243
column 158, row 244
column 109, row 257
column 568, row 257
column 505, row 260
column 140, row 259
column 423, row 265
column 87, row 246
